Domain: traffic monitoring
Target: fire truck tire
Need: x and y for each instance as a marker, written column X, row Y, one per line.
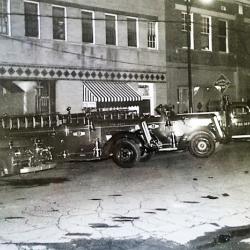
column 202, row 145
column 126, row 153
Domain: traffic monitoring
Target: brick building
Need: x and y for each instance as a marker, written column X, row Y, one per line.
column 220, row 33
column 60, row 53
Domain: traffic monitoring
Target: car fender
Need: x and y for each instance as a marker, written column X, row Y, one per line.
column 201, row 130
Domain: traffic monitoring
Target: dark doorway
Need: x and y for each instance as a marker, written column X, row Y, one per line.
column 145, row 107
column 45, row 101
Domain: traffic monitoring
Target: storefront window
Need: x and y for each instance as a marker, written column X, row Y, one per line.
column 146, row 91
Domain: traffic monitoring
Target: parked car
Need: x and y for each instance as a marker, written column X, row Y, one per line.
column 196, row 132
column 236, row 120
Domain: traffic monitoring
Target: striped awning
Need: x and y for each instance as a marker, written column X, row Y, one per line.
column 106, row 91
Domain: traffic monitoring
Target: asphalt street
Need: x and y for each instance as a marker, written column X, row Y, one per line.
column 173, row 201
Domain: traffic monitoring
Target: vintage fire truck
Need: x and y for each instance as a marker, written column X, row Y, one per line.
column 36, row 142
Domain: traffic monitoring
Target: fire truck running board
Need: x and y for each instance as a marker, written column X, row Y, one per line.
column 168, row 149
column 38, row 168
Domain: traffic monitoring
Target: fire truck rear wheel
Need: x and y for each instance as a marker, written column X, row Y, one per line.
column 126, row 153
column 202, row 145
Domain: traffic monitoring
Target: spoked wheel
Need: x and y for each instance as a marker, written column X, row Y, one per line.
column 202, row 145
column 126, row 153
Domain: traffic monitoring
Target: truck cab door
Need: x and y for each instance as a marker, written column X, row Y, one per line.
column 240, row 122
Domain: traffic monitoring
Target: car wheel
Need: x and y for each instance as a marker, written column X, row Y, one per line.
column 126, row 153
column 202, row 145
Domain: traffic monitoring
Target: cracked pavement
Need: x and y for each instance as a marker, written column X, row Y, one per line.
column 172, row 198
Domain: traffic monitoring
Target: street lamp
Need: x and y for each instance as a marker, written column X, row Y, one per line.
column 189, row 60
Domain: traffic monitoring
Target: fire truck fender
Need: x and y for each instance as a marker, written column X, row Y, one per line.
column 110, row 144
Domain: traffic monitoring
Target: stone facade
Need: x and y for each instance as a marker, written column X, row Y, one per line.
column 44, row 59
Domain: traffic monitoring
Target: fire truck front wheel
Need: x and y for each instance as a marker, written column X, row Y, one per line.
column 126, row 153
column 202, row 145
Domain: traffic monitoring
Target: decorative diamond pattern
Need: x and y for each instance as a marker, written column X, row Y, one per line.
column 100, row 75
column 11, row 71
column 52, row 73
column 80, row 74
column 106, row 75
column 63, row 73
column 2, row 71
column 44, row 72
column 36, row 72
column 59, row 73
column 28, row 72
column 87, row 74
column 19, row 71
column 66, row 73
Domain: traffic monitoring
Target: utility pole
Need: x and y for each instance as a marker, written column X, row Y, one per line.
column 189, row 62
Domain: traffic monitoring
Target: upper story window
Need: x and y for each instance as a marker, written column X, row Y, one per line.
column 223, row 36
column 59, row 23
column 206, row 33
column 132, row 31
column 152, row 35
column 111, row 29
column 31, row 17
column 88, row 26
column 4, row 17
column 185, row 22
